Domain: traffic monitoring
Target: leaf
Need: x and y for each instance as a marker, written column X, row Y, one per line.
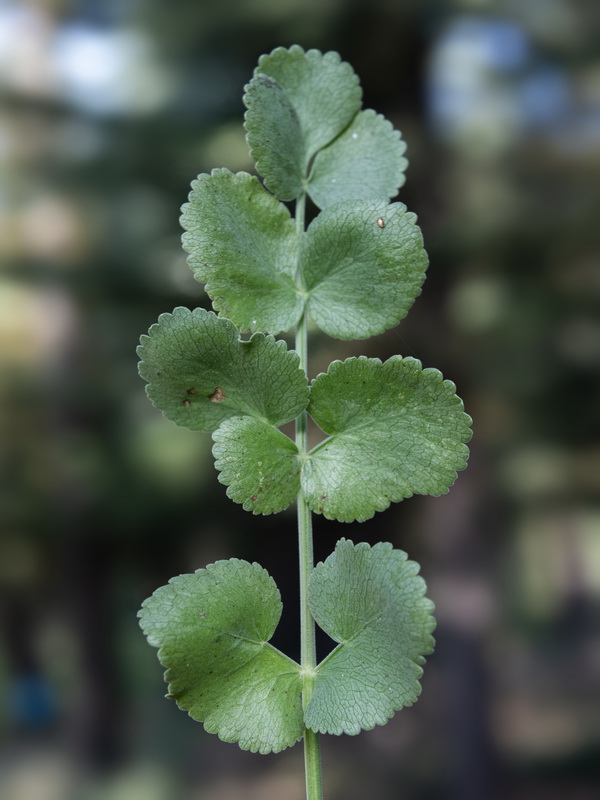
column 200, row 373
column 275, row 137
column 243, row 244
column 395, row 430
column 212, row 630
column 297, row 103
column 365, row 161
column 258, row 463
column 371, row 601
column 361, row 277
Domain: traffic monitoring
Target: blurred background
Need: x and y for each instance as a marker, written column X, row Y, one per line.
column 108, row 110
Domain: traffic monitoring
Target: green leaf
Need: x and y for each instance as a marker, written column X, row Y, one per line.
column 361, row 277
column 258, row 463
column 365, row 161
column 243, row 244
column 371, row 601
column 199, row 373
column 212, row 630
column 395, row 430
column 297, row 103
column 275, row 137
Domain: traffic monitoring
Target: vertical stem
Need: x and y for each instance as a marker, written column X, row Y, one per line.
column 308, row 655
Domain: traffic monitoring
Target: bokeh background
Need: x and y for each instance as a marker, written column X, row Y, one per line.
column 108, row 110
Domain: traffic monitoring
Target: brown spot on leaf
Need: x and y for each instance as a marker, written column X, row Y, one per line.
column 381, row 222
column 254, row 498
column 217, row 396
column 192, row 391
column 186, row 403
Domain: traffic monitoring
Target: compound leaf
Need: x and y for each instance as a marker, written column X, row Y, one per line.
column 200, row 373
column 365, row 161
column 395, row 430
column 371, row 601
column 212, row 629
column 243, row 244
column 258, row 463
column 363, row 264
column 297, row 103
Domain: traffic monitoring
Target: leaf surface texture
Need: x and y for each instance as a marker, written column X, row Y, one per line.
column 200, row 373
column 212, row 630
column 363, row 264
column 395, row 429
column 365, row 161
column 372, row 602
column 258, row 463
column 242, row 244
column 297, row 103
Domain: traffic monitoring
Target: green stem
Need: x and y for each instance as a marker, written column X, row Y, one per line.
column 308, row 654
column 312, row 766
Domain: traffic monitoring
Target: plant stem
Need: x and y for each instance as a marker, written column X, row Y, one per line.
column 308, row 655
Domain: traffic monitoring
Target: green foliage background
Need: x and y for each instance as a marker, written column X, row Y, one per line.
column 102, row 500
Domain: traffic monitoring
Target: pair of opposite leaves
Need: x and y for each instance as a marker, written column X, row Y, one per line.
column 213, row 628
column 394, row 429
column 360, row 265
column 307, row 133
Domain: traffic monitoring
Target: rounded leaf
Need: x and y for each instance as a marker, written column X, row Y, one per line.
column 243, row 245
column 396, row 430
column 363, row 264
column 371, row 601
column 365, row 161
column 297, row 103
column 275, row 137
column 200, row 373
column 212, row 630
column 258, row 463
